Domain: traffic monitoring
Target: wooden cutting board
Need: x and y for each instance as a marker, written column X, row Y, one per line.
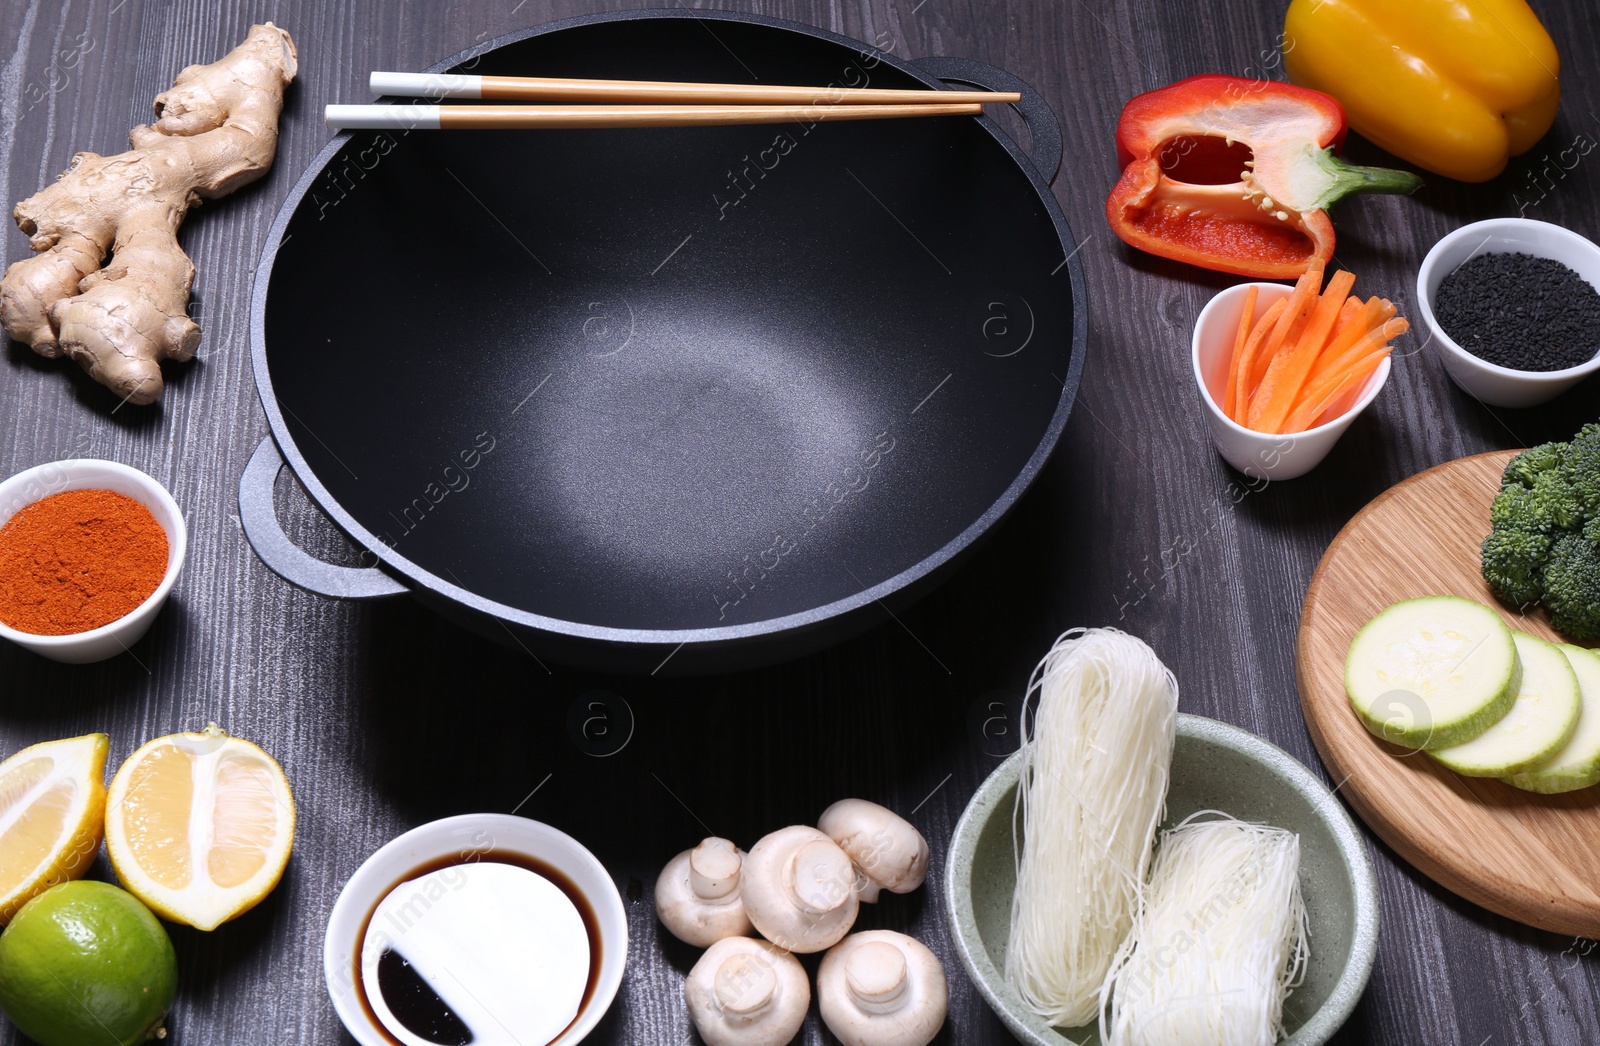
column 1532, row 858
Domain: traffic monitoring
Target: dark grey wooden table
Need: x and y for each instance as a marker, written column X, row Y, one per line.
column 384, row 717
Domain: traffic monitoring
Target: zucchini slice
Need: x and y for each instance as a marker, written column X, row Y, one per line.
column 1577, row 765
column 1432, row 672
column 1541, row 721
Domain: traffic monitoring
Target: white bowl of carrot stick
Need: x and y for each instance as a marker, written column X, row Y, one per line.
column 1283, row 371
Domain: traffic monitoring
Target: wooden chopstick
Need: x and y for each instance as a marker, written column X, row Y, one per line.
column 561, row 89
column 452, row 117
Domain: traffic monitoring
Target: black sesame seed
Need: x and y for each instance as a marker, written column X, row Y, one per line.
column 1521, row 312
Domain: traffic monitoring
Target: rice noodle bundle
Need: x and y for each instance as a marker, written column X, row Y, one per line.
column 1095, row 763
column 1219, row 942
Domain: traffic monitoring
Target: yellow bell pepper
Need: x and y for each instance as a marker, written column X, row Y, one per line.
column 1454, row 86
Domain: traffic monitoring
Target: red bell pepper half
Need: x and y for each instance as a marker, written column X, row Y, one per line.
column 1236, row 175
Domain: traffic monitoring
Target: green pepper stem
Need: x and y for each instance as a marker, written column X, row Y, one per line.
column 1349, row 179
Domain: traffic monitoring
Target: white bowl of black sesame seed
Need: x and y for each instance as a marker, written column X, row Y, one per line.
column 1512, row 307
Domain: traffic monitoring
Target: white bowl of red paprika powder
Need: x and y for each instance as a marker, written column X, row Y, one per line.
column 89, row 551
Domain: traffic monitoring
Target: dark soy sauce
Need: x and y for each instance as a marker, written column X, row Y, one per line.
column 415, row 1004
column 591, row 929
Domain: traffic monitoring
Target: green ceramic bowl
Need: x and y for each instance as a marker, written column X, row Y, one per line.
column 1214, row 767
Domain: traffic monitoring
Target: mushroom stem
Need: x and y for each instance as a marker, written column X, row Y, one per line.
column 820, row 876
column 876, row 976
column 745, row 987
column 714, row 869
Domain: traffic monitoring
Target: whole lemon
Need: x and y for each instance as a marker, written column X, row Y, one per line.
column 86, row 962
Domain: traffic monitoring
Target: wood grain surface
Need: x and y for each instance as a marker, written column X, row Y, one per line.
column 1526, row 856
column 385, row 717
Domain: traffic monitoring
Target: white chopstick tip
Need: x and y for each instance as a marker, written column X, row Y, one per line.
column 425, row 85
column 371, row 117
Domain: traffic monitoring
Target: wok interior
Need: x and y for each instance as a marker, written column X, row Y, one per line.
column 671, row 378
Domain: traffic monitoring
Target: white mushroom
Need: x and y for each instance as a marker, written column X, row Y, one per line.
column 698, row 897
column 881, row 988
column 887, row 850
column 799, row 889
column 745, row 992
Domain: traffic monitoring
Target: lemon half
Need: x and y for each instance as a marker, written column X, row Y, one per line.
column 52, row 801
column 199, row 826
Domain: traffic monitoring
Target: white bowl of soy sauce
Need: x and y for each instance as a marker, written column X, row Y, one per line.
column 1487, row 382
column 483, row 929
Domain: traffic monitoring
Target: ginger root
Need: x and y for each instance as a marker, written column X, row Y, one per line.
column 110, row 285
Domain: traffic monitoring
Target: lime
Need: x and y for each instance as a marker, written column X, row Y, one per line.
column 86, row 962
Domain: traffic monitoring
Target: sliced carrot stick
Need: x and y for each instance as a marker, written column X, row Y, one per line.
column 1369, row 315
column 1252, row 346
column 1333, row 304
column 1369, row 318
column 1270, row 388
column 1374, row 339
column 1303, row 296
column 1271, row 381
column 1316, row 402
column 1287, row 374
column 1350, row 313
column 1296, row 329
column 1280, row 341
column 1347, row 314
column 1247, row 317
column 1364, row 365
column 1368, row 350
column 1333, row 363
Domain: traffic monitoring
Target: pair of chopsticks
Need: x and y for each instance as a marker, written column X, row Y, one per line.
column 636, row 103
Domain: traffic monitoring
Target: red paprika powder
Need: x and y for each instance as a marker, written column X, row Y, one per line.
column 75, row 561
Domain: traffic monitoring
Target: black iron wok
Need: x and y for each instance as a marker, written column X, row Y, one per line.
column 676, row 399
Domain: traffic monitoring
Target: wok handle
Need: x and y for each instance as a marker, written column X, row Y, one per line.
column 283, row 557
column 1044, row 130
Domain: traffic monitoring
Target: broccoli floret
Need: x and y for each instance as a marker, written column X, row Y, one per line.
column 1581, row 467
column 1556, row 500
column 1550, row 504
column 1572, row 588
column 1528, row 466
column 1545, row 544
column 1513, row 564
column 1515, row 506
